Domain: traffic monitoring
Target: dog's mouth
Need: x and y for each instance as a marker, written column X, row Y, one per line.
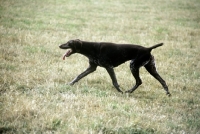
column 68, row 53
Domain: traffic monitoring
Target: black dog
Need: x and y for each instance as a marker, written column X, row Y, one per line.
column 110, row 55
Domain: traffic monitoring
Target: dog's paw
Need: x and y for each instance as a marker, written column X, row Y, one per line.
column 71, row 83
column 121, row 92
column 168, row 94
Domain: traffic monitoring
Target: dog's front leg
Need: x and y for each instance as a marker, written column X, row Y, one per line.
column 113, row 77
column 89, row 70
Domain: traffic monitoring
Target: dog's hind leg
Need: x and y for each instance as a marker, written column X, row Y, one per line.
column 113, row 77
column 151, row 68
column 89, row 70
column 135, row 72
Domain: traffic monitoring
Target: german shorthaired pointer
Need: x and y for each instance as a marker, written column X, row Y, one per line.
column 110, row 55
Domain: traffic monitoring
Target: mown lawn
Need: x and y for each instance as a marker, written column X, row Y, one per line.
column 34, row 96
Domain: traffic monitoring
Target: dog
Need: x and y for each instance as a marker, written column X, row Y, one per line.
column 110, row 55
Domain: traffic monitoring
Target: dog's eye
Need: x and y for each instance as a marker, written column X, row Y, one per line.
column 70, row 42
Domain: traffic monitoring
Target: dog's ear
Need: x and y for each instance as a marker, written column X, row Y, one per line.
column 77, row 41
column 78, row 44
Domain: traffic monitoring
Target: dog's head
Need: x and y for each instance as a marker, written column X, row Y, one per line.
column 73, row 46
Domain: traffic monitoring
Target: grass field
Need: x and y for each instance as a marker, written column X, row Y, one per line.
column 34, row 97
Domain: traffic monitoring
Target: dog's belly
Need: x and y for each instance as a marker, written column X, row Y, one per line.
column 106, row 62
column 101, row 62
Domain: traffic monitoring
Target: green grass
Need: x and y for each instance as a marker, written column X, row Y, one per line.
column 34, row 97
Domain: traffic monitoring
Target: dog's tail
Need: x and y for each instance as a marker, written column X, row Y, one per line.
column 155, row 46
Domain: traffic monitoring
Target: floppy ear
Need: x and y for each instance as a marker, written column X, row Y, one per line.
column 78, row 44
column 77, row 40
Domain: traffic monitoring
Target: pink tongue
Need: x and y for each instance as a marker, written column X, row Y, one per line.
column 66, row 54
